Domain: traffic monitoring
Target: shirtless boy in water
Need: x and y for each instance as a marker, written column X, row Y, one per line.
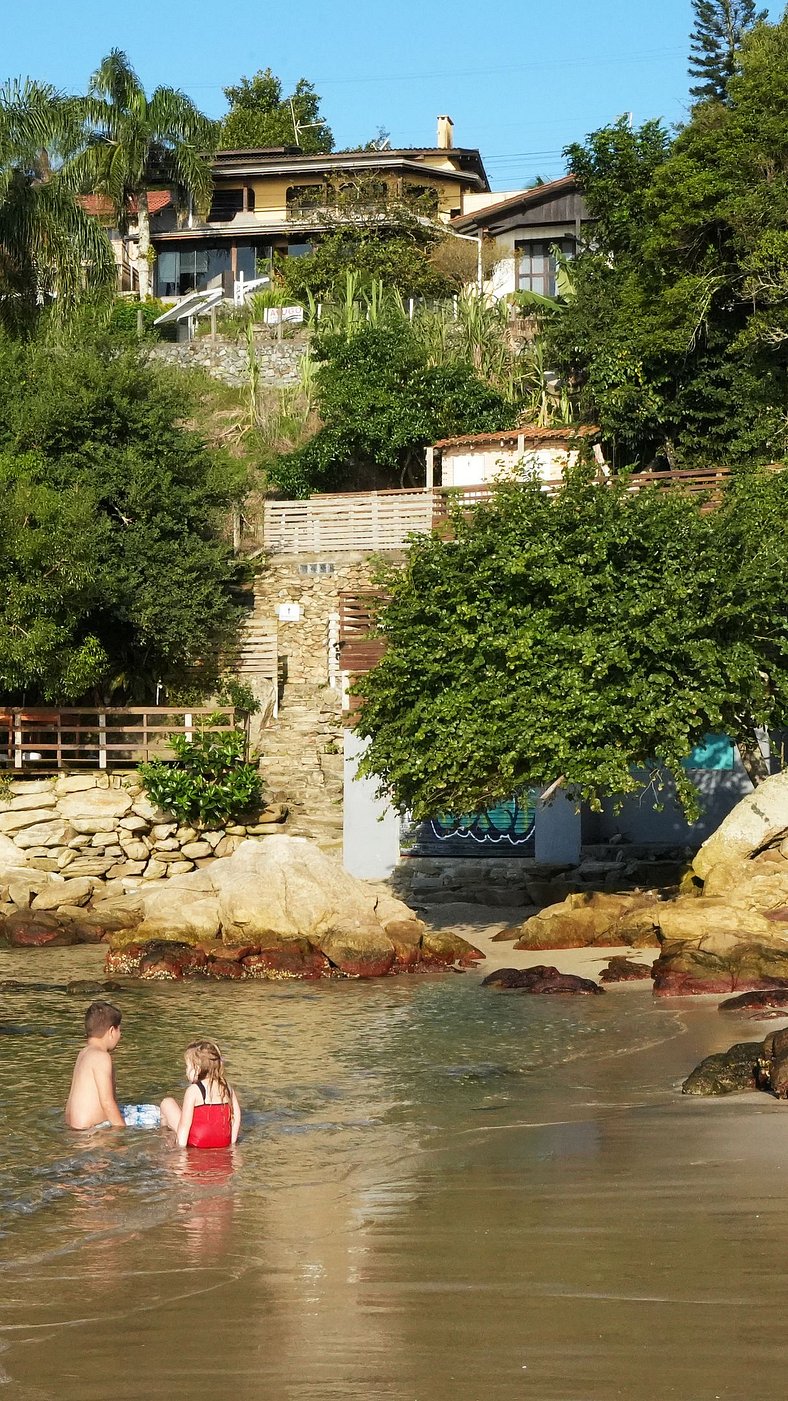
column 91, row 1099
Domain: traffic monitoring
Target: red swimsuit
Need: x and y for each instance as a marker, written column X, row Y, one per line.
column 212, row 1124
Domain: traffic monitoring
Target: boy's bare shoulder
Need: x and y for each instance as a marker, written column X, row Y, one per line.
column 92, row 1057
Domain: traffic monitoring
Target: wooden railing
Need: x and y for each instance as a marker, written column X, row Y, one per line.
column 118, row 737
column 368, row 521
column 363, row 521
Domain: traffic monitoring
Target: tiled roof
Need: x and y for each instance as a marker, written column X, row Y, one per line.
column 102, row 207
column 529, row 433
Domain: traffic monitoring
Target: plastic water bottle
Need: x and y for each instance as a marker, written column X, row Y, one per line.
column 141, row 1116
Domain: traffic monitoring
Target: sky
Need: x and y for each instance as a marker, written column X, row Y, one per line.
column 520, row 78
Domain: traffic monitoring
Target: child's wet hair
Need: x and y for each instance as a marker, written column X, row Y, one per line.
column 204, row 1060
column 100, row 1017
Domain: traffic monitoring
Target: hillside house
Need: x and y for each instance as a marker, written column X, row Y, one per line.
column 279, row 201
column 526, row 227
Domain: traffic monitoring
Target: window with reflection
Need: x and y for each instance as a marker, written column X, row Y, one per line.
column 536, row 263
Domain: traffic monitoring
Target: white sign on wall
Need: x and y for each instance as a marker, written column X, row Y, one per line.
column 289, row 612
column 277, row 315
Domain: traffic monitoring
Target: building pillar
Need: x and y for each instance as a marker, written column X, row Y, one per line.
column 370, row 824
column 557, row 831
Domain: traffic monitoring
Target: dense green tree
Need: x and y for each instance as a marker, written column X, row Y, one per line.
column 675, row 339
column 400, row 255
column 135, row 144
column 720, row 26
column 50, row 249
column 592, row 639
column 381, row 404
column 115, row 570
column 260, row 116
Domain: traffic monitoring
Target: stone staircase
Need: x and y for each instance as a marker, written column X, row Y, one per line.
column 301, row 763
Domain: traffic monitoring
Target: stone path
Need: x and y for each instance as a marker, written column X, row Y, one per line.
column 301, row 763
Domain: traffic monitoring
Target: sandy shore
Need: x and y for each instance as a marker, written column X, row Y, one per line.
column 479, row 923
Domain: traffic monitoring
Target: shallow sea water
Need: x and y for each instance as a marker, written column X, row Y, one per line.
column 442, row 1192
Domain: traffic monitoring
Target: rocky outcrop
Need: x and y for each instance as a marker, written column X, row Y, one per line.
column 726, row 1072
column 598, row 918
column 748, row 1065
column 770, row 1003
column 280, row 908
column 625, row 970
column 732, row 935
column 542, row 979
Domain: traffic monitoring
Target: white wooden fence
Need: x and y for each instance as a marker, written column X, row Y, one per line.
column 362, row 521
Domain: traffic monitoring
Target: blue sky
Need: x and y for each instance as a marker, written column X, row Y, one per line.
column 520, row 78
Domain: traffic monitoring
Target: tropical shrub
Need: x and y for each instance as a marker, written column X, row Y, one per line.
column 210, row 782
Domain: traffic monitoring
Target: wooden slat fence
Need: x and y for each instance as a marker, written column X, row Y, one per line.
column 368, row 521
column 118, row 737
column 363, row 521
column 359, row 648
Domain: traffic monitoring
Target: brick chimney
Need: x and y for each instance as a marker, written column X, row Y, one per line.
column 445, row 133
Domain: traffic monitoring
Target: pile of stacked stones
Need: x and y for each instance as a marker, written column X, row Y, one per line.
column 105, row 828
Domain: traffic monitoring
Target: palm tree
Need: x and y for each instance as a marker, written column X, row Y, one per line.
column 49, row 247
column 136, row 144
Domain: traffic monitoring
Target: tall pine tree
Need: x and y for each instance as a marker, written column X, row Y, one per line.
column 719, row 28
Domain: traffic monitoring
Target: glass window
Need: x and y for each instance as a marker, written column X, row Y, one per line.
column 167, row 273
column 536, row 264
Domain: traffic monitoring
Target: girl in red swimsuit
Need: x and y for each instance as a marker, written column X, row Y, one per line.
column 210, row 1116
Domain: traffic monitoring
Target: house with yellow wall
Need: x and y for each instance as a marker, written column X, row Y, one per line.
column 277, row 201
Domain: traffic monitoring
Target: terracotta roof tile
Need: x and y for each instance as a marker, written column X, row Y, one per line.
column 102, row 207
column 530, row 434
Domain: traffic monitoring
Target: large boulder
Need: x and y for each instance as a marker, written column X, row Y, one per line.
column 759, row 821
column 286, row 888
column 597, row 918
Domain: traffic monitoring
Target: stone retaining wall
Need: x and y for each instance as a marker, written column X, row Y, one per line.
column 304, row 643
column 103, row 828
column 228, row 361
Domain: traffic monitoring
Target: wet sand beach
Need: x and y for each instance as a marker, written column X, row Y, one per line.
column 443, row 1192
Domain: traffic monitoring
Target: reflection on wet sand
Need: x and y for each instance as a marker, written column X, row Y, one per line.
column 438, row 1195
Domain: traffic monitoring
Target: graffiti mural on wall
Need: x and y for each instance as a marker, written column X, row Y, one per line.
column 504, row 830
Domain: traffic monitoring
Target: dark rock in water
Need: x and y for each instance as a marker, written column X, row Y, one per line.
column 541, row 979
column 772, row 1067
column 224, row 968
column 623, row 970
column 89, row 987
column 167, row 961
column 769, row 999
column 14, row 985
column 725, row 1073
column 125, row 961
column 36, row 929
column 294, row 959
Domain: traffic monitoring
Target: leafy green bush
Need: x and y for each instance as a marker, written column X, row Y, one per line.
column 211, row 781
column 123, row 318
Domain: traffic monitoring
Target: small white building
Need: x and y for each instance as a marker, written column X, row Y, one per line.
column 478, row 458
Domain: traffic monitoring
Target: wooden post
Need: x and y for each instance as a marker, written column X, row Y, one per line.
column 102, row 720
column 430, row 478
column 213, row 323
column 17, row 740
